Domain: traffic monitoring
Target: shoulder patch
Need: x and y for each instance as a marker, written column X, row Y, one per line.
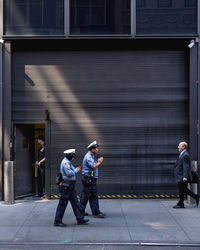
column 91, row 158
column 67, row 165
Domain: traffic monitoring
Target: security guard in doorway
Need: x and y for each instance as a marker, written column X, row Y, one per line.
column 41, row 167
column 67, row 190
column 89, row 179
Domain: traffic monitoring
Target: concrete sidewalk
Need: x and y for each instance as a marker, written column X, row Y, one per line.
column 127, row 221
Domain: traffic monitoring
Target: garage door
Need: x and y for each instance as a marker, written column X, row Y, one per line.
column 134, row 103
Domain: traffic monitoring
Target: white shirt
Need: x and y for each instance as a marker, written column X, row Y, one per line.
column 182, row 152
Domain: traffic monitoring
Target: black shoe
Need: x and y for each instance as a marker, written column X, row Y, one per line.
column 82, row 222
column 101, row 215
column 59, row 224
column 177, row 206
column 85, row 214
column 197, row 201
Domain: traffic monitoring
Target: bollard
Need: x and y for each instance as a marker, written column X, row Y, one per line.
column 9, row 197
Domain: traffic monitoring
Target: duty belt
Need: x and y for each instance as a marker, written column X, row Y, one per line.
column 67, row 182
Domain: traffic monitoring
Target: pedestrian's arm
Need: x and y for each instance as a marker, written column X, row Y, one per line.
column 69, row 172
column 43, row 160
column 186, row 167
column 92, row 165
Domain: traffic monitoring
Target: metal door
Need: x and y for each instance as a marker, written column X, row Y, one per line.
column 134, row 103
column 24, row 160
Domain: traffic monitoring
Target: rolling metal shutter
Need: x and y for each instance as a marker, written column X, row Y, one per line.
column 134, row 103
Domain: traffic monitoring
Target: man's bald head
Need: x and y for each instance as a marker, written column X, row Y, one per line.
column 182, row 146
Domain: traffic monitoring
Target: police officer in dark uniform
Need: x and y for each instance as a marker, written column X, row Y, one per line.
column 89, row 179
column 41, row 167
column 67, row 190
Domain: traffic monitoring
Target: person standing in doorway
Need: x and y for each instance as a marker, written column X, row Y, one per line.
column 41, row 167
column 183, row 175
column 89, row 179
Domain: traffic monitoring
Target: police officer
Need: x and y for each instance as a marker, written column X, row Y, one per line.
column 89, row 179
column 67, row 190
column 41, row 167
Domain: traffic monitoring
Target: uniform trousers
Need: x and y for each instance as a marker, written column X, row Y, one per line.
column 90, row 193
column 41, row 180
column 183, row 189
column 68, row 194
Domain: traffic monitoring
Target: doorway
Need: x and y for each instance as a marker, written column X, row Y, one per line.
column 26, row 153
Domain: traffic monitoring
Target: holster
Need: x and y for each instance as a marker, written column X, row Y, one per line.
column 88, row 180
column 66, row 183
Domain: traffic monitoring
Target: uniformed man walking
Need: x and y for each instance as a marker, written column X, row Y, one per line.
column 89, row 179
column 67, row 190
column 41, row 167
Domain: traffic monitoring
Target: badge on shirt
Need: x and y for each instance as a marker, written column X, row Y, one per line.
column 91, row 158
column 42, row 149
column 67, row 165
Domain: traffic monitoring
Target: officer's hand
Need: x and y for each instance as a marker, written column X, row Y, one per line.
column 78, row 169
column 36, row 163
column 184, row 179
column 100, row 159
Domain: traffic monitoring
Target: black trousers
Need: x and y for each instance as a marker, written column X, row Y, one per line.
column 41, row 180
column 183, row 189
column 90, row 193
column 68, row 194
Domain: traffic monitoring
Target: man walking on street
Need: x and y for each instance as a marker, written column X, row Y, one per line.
column 183, row 175
column 89, row 179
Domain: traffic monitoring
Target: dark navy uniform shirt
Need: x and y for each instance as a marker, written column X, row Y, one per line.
column 41, row 155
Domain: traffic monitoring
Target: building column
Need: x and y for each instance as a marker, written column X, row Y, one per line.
column 6, row 121
column 1, row 100
column 193, row 102
column 198, row 107
column 7, row 100
column 1, row 121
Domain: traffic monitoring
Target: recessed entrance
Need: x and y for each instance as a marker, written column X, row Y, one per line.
column 26, row 153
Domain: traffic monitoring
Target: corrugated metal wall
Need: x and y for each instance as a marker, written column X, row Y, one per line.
column 134, row 103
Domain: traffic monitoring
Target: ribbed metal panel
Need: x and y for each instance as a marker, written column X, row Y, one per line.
column 134, row 103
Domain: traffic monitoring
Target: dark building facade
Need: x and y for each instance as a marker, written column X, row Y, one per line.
column 116, row 71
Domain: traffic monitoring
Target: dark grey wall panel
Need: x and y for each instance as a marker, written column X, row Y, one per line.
column 134, row 103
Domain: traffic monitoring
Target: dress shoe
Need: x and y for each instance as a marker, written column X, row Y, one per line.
column 85, row 214
column 82, row 222
column 177, row 206
column 59, row 224
column 101, row 215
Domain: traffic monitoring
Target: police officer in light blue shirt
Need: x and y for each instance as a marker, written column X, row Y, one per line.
column 88, row 163
column 89, row 179
column 67, row 190
column 69, row 172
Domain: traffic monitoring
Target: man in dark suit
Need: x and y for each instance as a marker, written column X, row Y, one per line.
column 183, row 175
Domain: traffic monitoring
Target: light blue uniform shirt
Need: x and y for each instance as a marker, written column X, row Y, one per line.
column 88, row 162
column 67, row 170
